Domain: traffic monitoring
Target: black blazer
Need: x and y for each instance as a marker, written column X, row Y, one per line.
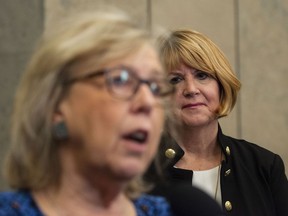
column 253, row 180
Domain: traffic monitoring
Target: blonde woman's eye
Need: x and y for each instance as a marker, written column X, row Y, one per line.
column 202, row 75
column 174, row 80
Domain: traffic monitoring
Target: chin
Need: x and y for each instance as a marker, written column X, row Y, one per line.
column 131, row 171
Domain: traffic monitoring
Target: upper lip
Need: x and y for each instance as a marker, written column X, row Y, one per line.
column 192, row 105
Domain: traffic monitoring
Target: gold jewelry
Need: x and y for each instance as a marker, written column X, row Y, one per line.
column 218, row 176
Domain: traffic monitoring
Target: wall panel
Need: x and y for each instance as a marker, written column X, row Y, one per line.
column 55, row 9
column 20, row 25
column 264, row 73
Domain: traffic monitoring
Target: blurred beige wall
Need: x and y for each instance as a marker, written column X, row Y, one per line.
column 21, row 23
column 253, row 36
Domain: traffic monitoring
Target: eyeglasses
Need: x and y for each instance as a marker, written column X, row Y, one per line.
column 123, row 82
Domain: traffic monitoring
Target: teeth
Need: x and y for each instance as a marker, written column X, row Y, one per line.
column 138, row 136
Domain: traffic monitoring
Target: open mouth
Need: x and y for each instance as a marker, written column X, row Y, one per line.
column 138, row 136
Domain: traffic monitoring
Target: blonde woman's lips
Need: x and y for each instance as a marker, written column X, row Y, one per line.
column 192, row 105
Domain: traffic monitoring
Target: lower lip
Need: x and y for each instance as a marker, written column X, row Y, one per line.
column 135, row 147
column 193, row 106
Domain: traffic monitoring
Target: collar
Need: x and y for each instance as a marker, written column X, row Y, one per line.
column 171, row 152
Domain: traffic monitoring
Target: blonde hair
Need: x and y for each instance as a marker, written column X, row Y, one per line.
column 195, row 50
column 32, row 161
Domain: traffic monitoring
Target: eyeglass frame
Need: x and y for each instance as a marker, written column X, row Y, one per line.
column 105, row 72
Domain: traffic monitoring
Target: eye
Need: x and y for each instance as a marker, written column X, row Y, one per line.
column 175, row 79
column 201, row 75
column 155, row 87
column 119, row 77
column 159, row 87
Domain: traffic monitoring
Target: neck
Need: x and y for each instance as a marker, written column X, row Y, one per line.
column 202, row 151
column 197, row 139
column 84, row 194
column 55, row 205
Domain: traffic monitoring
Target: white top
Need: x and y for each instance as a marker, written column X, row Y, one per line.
column 206, row 180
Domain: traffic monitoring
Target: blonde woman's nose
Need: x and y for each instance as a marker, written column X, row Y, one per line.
column 190, row 89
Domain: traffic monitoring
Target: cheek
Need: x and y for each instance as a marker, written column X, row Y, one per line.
column 99, row 133
column 176, row 101
column 215, row 95
column 177, row 96
column 158, row 118
column 93, row 118
column 107, row 119
column 158, row 124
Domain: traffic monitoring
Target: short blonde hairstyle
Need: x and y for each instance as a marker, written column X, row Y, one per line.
column 195, row 50
column 32, row 161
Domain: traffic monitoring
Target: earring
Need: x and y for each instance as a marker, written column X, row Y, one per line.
column 60, row 131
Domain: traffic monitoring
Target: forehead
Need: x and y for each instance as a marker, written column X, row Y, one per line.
column 144, row 55
column 186, row 69
column 144, row 60
column 183, row 69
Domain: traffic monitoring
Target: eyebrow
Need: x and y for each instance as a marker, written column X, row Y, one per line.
column 176, row 73
column 157, row 73
column 192, row 70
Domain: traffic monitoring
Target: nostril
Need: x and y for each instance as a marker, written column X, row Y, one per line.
column 190, row 93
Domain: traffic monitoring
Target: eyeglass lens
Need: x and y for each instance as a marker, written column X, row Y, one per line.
column 124, row 83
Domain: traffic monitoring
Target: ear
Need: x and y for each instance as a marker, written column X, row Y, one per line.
column 57, row 116
column 59, row 113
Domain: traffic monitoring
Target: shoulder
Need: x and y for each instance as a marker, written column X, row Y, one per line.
column 248, row 153
column 239, row 146
column 17, row 203
column 150, row 205
column 10, row 201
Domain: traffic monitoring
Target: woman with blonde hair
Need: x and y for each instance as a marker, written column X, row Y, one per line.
column 87, row 120
column 244, row 178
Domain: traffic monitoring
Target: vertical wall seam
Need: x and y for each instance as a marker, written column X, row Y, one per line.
column 238, row 65
column 43, row 14
column 149, row 15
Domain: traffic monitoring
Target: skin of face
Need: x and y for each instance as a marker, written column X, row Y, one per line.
column 196, row 99
column 98, row 122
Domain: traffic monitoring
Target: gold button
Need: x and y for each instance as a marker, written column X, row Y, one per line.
column 228, row 205
column 227, row 172
column 170, row 153
column 227, row 150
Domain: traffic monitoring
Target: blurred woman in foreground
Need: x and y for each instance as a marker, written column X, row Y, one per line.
column 87, row 121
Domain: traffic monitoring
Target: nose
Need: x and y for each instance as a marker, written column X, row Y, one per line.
column 190, row 88
column 144, row 100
